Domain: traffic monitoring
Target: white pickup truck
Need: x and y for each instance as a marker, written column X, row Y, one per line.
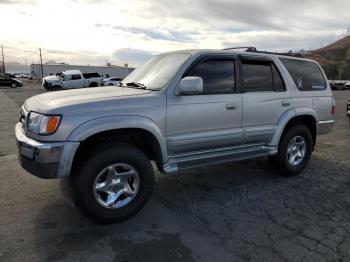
column 72, row 79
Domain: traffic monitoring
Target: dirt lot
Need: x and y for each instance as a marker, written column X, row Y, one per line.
column 233, row 212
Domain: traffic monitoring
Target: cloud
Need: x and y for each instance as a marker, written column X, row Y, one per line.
column 154, row 33
column 16, row 2
column 129, row 31
column 131, row 56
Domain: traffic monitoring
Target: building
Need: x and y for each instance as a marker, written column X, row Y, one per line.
column 105, row 71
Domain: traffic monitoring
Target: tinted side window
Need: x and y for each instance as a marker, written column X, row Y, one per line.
column 76, row 77
column 306, row 75
column 257, row 76
column 218, row 76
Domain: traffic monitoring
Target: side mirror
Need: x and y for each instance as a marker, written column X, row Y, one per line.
column 190, row 85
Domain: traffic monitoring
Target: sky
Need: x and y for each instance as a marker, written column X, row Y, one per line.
column 96, row 32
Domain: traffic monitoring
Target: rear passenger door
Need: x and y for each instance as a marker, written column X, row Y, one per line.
column 265, row 98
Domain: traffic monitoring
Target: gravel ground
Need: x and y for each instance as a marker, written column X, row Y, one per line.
column 233, row 212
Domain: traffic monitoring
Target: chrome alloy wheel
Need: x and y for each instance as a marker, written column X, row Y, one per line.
column 116, row 185
column 296, row 150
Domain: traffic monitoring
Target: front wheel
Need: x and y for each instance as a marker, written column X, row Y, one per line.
column 114, row 183
column 13, row 85
column 294, row 151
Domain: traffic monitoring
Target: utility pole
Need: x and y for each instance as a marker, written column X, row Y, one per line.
column 3, row 59
column 41, row 64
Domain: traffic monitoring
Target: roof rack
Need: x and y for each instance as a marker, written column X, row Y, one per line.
column 254, row 50
column 247, row 48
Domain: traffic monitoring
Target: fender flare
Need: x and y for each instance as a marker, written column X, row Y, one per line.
column 102, row 124
column 285, row 119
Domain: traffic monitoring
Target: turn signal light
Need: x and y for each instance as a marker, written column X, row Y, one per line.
column 52, row 124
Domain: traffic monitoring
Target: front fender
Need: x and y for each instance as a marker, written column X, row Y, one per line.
column 286, row 117
column 102, row 124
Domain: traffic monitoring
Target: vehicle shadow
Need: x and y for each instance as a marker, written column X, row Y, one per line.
column 193, row 214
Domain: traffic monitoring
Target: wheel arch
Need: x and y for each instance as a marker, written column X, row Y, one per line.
column 304, row 116
column 138, row 131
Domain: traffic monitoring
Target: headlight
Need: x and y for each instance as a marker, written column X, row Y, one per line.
column 43, row 124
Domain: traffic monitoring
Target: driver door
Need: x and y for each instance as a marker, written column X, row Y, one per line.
column 207, row 121
column 73, row 81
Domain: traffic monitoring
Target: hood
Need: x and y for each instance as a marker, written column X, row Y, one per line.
column 83, row 99
column 53, row 78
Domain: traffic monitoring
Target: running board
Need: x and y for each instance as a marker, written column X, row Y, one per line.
column 181, row 162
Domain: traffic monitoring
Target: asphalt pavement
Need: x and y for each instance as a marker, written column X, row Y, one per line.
column 233, row 212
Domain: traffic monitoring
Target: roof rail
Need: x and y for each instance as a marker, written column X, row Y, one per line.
column 247, row 48
column 254, row 50
column 276, row 53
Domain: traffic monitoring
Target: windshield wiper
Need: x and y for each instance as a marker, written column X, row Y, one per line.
column 137, row 85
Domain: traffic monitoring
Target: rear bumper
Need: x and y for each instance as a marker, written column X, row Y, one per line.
column 44, row 160
column 324, row 127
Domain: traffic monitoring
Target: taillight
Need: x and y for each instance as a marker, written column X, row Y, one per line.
column 333, row 106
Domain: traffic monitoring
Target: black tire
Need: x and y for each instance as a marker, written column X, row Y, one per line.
column 13, row 85
column 93, row 84
column 55, row 88
column 102, row 157
column 280, row 161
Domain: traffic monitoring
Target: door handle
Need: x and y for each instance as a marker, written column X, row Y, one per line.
column 285, row 103
column 231, row 107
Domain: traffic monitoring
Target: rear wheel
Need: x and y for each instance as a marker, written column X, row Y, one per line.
column 294, row 151
column 114, row 183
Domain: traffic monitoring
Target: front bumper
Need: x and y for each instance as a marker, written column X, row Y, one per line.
column 44, row 159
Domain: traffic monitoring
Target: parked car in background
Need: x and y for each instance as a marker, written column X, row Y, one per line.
column 112, row 81
column 338, row 85
column 8, row 75
column 71, row 79
column 7, row 81
column 348, row 110
column 347, row 85
column 24, row 75
column 182, row 110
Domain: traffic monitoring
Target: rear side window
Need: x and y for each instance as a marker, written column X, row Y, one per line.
column 218, row 76
column 76, row 77
column 260, row 76
column 306, row 75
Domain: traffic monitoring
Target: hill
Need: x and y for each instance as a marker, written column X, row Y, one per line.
column 334, row 58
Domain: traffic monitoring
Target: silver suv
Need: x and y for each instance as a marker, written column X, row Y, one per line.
column 183, row 109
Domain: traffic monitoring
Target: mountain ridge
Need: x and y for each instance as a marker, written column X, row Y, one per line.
column 334, row 58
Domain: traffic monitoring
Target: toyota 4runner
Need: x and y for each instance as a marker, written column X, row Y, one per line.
column 182, row 109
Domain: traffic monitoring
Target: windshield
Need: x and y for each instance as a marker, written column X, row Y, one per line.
column 157, row 71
